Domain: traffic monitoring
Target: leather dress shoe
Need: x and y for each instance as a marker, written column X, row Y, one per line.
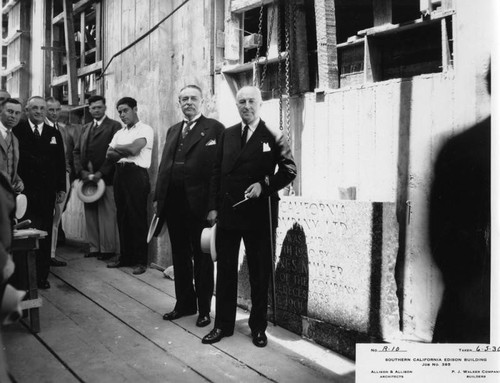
column 44, row 285
column 215, row 335
column 92, row 254
column 259, row 338
column 174, row 314
column 116, row 264
column 105, row 256
column 203, row 320
column 139, row 269
column 57, row 263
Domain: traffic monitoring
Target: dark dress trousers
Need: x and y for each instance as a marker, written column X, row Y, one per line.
column 235, row 170
column 182, row 203
column 42, row 167
column 460, row 235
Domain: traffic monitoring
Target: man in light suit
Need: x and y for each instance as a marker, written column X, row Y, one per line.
column 245, row 170
column 10, row 115
column 181, row 200
column 91, row 162
column 42, row 167
column 52, row 119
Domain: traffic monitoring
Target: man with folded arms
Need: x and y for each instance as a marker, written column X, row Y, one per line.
column 131, row 147
column 245, row 169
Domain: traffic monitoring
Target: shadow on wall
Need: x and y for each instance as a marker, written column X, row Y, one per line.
column 292, row 281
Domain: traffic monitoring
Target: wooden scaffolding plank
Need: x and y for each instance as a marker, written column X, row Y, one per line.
column 140, row 304
column 29, row 359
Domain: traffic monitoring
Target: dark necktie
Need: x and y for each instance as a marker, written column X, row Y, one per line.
column 37, row 133
column 244, row 136
column 187, row 126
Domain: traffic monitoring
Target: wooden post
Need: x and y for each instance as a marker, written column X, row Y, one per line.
column 298, row 47
column 382, row 12
column 69, row 33
column 328, row 68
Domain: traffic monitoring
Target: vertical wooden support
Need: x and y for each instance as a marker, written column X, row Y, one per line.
column 445, row 47
column 48, row 52
column 82, row 39
column 298, row 46
column 426, row 7
column 69, row 33
column 98, row 31
column 382, row 12
column 328, row 70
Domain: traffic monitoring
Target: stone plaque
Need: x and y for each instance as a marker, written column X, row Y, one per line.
column 347, row 252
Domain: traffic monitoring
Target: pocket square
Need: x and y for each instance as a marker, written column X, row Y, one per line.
column 53, row 141
column 265, row 147
column 211, row 142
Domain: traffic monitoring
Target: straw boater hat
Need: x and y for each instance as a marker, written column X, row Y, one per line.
column 21, row 205
column 207, row 241
column 89, row 190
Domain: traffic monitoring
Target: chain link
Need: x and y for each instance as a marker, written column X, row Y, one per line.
column 269, row 35
column 261, row 15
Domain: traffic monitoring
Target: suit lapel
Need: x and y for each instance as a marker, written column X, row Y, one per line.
column 171, row 140
column 198, row 132
column 252, row 144
column 3, row 144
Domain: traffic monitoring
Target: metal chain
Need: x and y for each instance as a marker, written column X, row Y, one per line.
column 269, row 35
column 280, row 91
column 287, row 68
column 261, row 15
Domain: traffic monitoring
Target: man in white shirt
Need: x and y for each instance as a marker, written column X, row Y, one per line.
column 131, row 147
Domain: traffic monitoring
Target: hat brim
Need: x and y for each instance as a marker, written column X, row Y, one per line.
column 154, row 230
column 87, row 195
column 21, row 205
column 207, row 241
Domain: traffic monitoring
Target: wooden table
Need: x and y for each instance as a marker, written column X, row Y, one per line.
column 24, row 244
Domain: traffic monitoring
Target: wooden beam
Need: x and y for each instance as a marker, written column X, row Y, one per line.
column 60, row 80
column 69, row 33
column 13, row 69
column 82, row 39
column 9, row 39
column 328, row 70
column 98, row 31
column 7, row 7
column 75, row 9
column 239, row 6
column 382, row 12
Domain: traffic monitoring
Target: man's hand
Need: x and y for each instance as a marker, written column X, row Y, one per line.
column 60, row 196
column 97, row 176
column 212, row 217
column 113, row 155
column 84, row 175
column 253, row 191
column 18, row 186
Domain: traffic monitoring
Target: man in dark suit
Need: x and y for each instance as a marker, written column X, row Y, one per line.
column 245, row 169
column 10, row 115
column 42, row 167
column 91, row 163
column 52, row 118
column 181, row 200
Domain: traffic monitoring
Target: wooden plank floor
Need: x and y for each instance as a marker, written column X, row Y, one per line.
column 105, row 325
